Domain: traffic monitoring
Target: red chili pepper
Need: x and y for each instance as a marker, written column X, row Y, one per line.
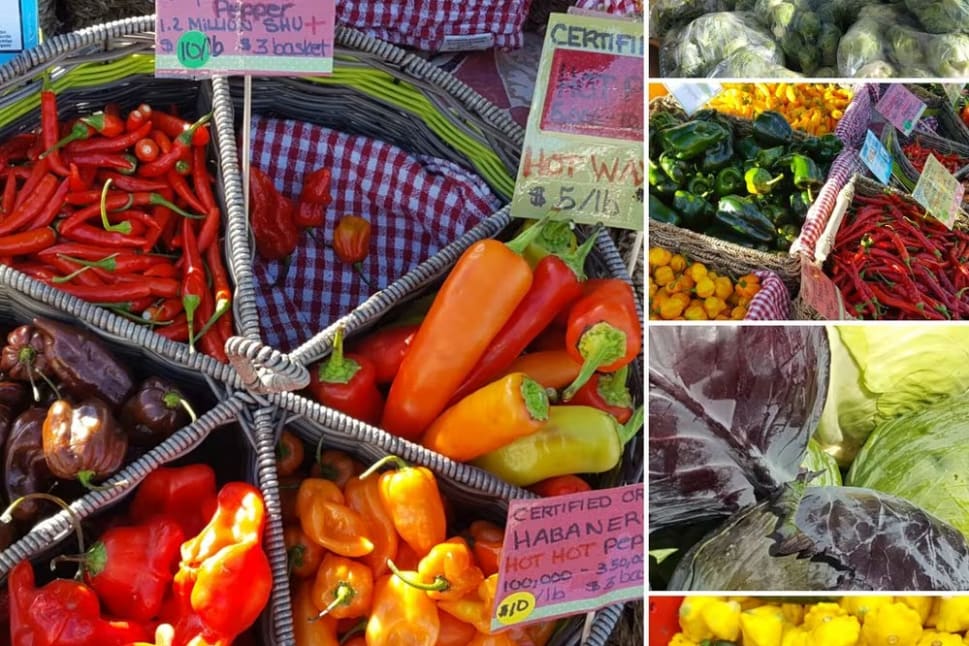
column 73, row 273
column 556, row 283
column 180, row 147
column 175, row 127
column 49, row 125
column 385, row 349
column 16, row 148
column 94, row 235
column 560, row 486
column 194, row 285
column 37, row 173
column 124, row 163
column 164, row 141
column 119, row 293
column 9, row 193
column 28, row 211
column 138, row 117
column 221, row 289
column 183, row 190
column 53, row 208
column 603, row 330
column 146, row 150
column 316, row 187
column 115, row 144
column 27, row 242
column 116, row 202
column 177, row 330
column 275, row 232
column 347, row 383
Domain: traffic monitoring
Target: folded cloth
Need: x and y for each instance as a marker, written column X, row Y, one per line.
column 416, row 205
column 439, row 25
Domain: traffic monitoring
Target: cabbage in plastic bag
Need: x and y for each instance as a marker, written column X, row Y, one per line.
column 745, row 63
column 881, row 372
column 948, row 54
column 941, row 16
column 696, row 49
column 665, row 15
column 922, row 457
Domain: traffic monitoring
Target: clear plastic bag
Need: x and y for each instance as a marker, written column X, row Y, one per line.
column 941, row 16
column 697, row 49
column 665, row 15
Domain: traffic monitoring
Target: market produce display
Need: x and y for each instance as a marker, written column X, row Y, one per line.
column 680, row 288
column 186, row 573
column 752, row 432
column 750, row 183
column 813, row 38
column 379, row 556
column 814, row 108
column 810, row 621
column 121, row 210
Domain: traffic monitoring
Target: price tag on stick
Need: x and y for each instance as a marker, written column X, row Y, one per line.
column 939, row 192
column 198, row 39
column 819, row 292
column 567, row 555
column 901, row 108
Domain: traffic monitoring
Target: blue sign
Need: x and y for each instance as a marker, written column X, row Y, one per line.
column 876, row 157
column 19, row 28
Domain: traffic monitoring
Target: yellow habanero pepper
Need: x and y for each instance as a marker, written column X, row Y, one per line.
column 836, row 631
column 820, row 612
column 933, row 638
column 723, row 619
column 921, row 605
column 679, row 639
column 762, row 626
column 861, row 606
column 793, row 613
column 796, row 636
column 691, row 618
column 953, row 615
column 892, row 625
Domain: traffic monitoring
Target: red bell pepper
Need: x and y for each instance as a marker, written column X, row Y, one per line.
column 347, row 383
column 604, row 332
column 186, row 494
column 557, row 282
column 608, row 393
column 62, row 613
column 385, row 348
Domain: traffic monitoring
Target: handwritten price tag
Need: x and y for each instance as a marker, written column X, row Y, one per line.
column 693, row 95
column 901, row 108
column 198, row 39
column 939, row 192
column 876, row 157
column 568, row 555
column 18, row 27
column 818, row 291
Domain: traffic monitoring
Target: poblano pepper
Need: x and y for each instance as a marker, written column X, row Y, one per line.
column 746, row 148
column 776, row 213
column 725, row 233
column 786, row 235
column 829, row 146
column 730, row 180
column 662, row 213
column 718, row 156
column 692, row 138
column 768, row 157
column 694, row 210
column 659, row 181
column 677, row 170
column 804, row 171
column 743, row 216
column 701, row 184
column 770, row 128
column 800, row 203
column 759, row 181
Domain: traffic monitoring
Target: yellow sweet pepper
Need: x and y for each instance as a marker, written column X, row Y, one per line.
column 691, row 618
column 762, row 626
column 953, row 615
column 722, row 618
column 892, row 625
column 934, row 638
column 861, row 606
column 821, row 612
column 921, row 605
column 836, row 631
column 796, row 636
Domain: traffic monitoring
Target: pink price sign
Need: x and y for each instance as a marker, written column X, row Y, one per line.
column 570, row 554
column 199, row 38
column 901, row 108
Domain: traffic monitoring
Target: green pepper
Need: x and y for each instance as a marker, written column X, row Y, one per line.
column 725, row 233
column 805, row 172
column 786, row 235
column 800, row 203
column 743, row 216
column 777, row 214
column 692, row 138
column 662, row 213
column 729, row 180
column 662, row 119
column 575, row 439
column 695, row 212
column 759, row 181
column 701, row 184
column 829, row 146
column 674, row 168
column 718, row 156
column 770, row 128
column 769, row 157
column 747, row 148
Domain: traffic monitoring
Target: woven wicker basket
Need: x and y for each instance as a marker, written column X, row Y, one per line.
column 938, row 106
column 907, row 169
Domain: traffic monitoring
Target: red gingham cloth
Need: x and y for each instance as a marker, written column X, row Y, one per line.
column 430, row 24
column 772, row 302
column 616, row 7
column 416, row 205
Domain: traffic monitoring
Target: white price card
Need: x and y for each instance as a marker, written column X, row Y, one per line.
column 693, row 95
column 939, row 192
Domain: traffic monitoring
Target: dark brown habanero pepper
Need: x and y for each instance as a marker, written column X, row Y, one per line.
column 13, row 399
column 25, row 468
column 22, row 358
column 83, row 364
column 83, row 441
column 154, row 411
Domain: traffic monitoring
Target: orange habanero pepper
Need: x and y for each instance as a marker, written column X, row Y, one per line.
column 453, row 563
column 486, row 542
column 307, row 629
column 411, row 496
column 475, row 607
column 402, row 614
column 492, row 639
column 343, row 588
column 363, row 496
column 327, row 520
column 454, row 632
column 303, row 555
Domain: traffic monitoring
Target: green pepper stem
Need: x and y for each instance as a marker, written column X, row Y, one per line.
column 557, row 236
column 108, row 263
column 86, row 478
column 185, row 138
column 575, row 260
column 359, row 267
column 221, row 307
column 343, row 594
column 294, row 557
column 190, row 303
column 357, row 628
column 535, row 398
column 600, row 345
column 337, row 369
column 7, row 515
column 92, row 560
column 612, row 388
column 171, row 399
column 80, row 130
column 526, row 237
column 440, row 584
column 71, row 276
column 122, row 227
column 399, row 463
column 157, row 200
column 629, row 429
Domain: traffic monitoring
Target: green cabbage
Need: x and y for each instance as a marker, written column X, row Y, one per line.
column 921, row 456
column 880, row 372
column 816, row 460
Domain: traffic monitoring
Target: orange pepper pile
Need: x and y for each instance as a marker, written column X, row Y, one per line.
column 814, row 108
column 683, row 290
column 372, row 561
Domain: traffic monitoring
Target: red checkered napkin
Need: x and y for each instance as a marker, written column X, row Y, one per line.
column 439, row 25
column 616, row 7
column 416, row 205
column 772, row 302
